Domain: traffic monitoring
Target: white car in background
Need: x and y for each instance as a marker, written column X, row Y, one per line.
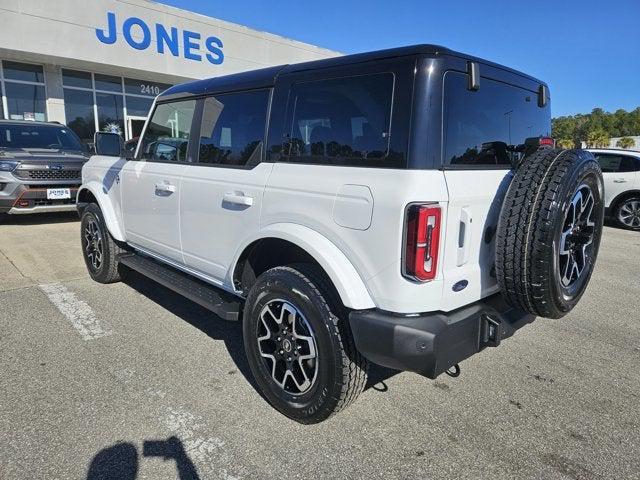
column 621, row 173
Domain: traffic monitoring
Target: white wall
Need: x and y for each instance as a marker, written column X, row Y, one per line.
column 56, row 31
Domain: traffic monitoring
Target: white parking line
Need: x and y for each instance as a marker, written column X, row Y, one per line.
column 208, row 453
column 79, row 313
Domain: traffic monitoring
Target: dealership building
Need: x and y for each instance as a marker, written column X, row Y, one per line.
column 98, row 64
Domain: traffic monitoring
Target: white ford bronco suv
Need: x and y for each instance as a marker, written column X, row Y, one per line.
column 403, row 207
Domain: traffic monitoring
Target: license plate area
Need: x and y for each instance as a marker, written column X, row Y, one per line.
column 58, row 193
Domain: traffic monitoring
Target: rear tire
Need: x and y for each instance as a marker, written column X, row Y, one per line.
column 627, row 213
column 299, row 344
column 549, row 231
column 99, row 250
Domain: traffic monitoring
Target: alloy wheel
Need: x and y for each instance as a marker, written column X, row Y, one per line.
column 287, row 346
column 629, row 213
column 577, row 235
column 94, row 247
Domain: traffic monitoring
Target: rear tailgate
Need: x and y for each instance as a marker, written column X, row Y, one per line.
column 475, row 199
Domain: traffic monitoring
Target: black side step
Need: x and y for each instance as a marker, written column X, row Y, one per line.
column 223, row 304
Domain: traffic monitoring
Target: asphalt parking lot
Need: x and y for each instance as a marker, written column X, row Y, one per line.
column 132, row 381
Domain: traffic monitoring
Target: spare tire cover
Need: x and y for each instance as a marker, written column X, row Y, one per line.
column 549, row 231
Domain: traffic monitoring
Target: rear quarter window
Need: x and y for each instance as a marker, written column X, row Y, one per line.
column 612, row 163
column 342, row 121
column 478, row 126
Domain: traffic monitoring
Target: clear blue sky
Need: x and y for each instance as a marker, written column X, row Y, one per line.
column 588, row 51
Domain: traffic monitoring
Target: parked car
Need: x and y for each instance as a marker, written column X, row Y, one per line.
column 402, row 207
column 621, row 173
column 40, row 166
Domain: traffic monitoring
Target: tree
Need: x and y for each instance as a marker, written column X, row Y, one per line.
column 597, row 138
column 626, row 142
column 565, row 143
column 620, row 123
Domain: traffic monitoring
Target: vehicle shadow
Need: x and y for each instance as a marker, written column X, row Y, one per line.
column 40, row 218
column 121, row 461
column 218, row 329
column 199, row 317
column 611, row 223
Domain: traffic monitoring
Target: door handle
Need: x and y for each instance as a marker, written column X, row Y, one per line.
column 620, row 180
column 464, row 237
column 237, row 198
column 165, row 188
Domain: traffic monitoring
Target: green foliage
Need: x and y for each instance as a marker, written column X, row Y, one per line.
column 597, row 138
column 565, row 143
column 578, row 127
column 625, row 142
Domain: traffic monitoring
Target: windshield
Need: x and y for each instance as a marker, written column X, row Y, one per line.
column 38, row 136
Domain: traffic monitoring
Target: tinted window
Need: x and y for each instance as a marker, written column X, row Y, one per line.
column 110, row 113
column 26, row 102
column 109, row 83
column 74, row 78
column 78, row 108
column 167, row 136
column 138, row 106
column 23, row 72
column 479, row 125
column 610, row 163
column 232, row 129
column 343, row 121
column 38, row 136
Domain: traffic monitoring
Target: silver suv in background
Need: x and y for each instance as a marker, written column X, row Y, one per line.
column 40, row 165
column 621, row 173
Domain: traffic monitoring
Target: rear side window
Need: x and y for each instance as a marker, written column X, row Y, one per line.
column 479, row 126
column 341, row 121
column 610, row 163
column 166, row 138
column 233, row 128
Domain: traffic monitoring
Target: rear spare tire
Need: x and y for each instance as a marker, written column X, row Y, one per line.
column 549, row 231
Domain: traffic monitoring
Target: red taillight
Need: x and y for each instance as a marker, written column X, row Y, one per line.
column 422, row 242
column 547, row 142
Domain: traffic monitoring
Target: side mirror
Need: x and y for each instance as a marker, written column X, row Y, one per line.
column 110, row 144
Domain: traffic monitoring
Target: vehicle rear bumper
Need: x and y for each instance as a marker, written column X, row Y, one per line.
column 431, row 343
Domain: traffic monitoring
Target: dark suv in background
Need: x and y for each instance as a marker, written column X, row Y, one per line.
column 40, row 166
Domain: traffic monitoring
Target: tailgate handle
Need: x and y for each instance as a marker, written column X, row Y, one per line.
column 464, row 236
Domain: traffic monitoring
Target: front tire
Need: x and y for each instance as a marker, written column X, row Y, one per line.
column 299, row 344
column 99, row 250
column 627, row 213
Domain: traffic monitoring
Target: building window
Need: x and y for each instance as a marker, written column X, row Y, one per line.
column 24, row 90
column 110, row 112
column 117, row 104
column 108, row 83
column 138, row 106
column 78, row 108
column 23, row 72
column 73, row 78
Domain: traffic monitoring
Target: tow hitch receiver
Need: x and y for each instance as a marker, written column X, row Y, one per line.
column 490, row 331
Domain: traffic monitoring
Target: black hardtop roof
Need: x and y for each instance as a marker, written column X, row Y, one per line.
column 266, row 77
